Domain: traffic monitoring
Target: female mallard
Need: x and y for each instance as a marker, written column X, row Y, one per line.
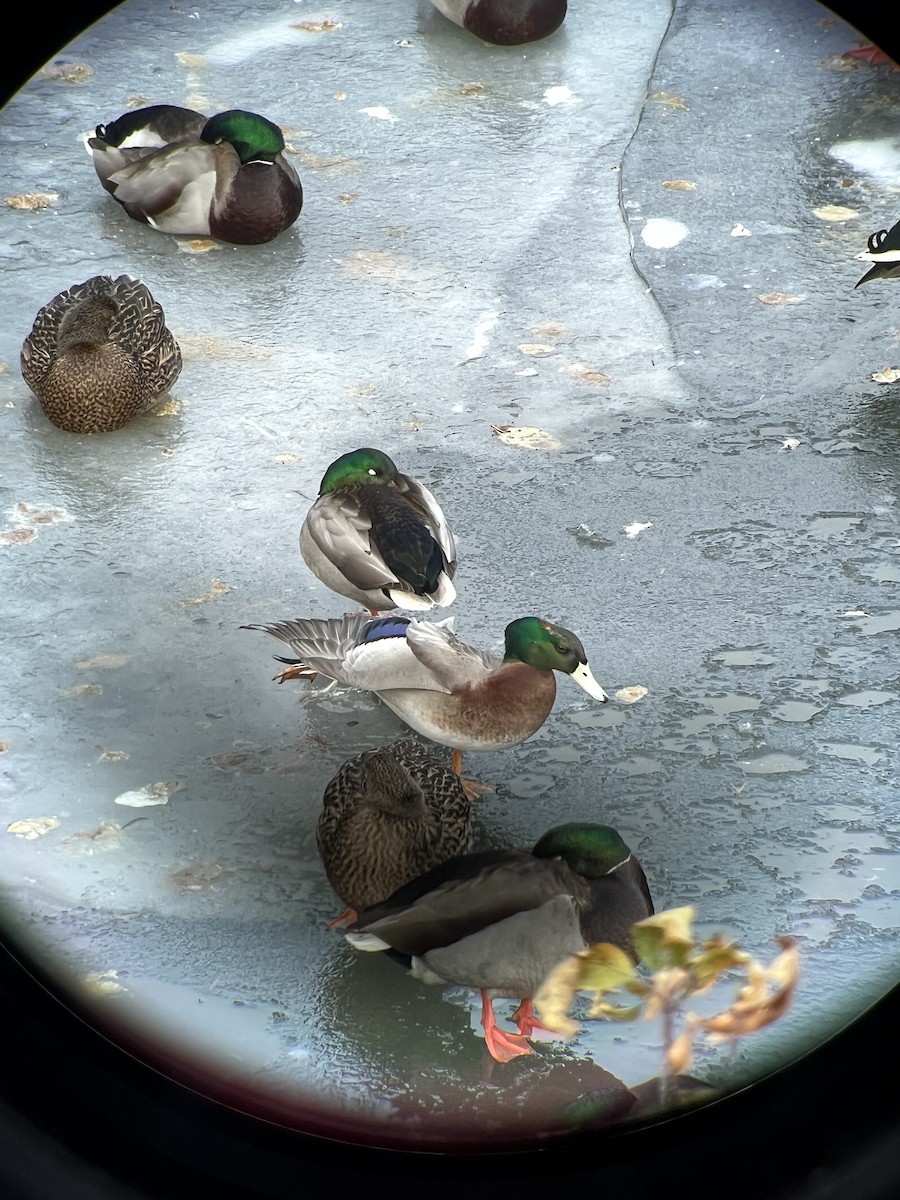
column 100, row 353
column 378, row 536
column 452, row 693
column 389, row 815
column 226, row 177
column 884, row 252
column 501, row 920
column 505, row 22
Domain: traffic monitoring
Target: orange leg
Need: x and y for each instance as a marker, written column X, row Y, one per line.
column 471, row 787
column 503, row 1046
column 347, row 917
column 527, row 1022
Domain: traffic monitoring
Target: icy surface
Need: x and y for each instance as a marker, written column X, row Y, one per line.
column 716, row 519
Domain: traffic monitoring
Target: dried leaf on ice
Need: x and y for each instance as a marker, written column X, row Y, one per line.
column 835, row 212
column 550, row 329
column 325, row 26
column 153, row 793
column 197, row 245
column 168, row 409
column 217, row 588
column 888, row 375
column 83, row 689
column 536, row 349
column 679, row 185
column 38, row 516
column 526, row 435
column 67, row 72
column 112, row 755
column 104, row 662
column 667, row 100
column 32, row 200
column 185, row 59
column 17, row 537
column 588, row 375
column 631, row 695
column 30, row 828
column 781, row 298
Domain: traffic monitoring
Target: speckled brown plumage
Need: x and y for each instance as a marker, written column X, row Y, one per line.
column 100, row 353
column 389, row 815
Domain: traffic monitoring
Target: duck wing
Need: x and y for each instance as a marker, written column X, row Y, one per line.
column 451, row 663
column 425, row 504
column 139, row 325
column 463, row 897
column 42, row 344
column 341, row 527
column 157, row 182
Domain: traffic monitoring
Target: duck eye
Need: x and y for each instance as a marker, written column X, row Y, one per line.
column 372, row 471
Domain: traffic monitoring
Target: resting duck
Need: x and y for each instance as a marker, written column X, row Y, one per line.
column 884, row 252
column 224, row 177
column 505, row 22
column 389, row 815
column 379, row 537
column 100, row 353
column 501, row 920
column 447, row 691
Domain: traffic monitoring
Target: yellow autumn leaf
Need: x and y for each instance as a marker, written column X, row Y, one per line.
column 765, row 998
column 679, row 185
column 527, row 436
column 32, row 200
column 666, row 938
column 555, row 997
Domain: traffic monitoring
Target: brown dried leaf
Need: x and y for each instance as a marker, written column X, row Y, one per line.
column 679, row 185
column 781, row 298
column 197, row 245
column 318, row 162
column 17, row 537
column 112, row 755
column 588, row 375
column 32, row 200
column 348, row 197
column 537, row 349
column 40, row 516
column 326, row 26
column 153, row 793
column 888, row 375
column 67, row 72
column 667, row 100
column 765, row 999
column 168, row 409
column 631, row 695
column 84, row 689
column 550, row 329
column 680, row 1054
column 217, row 588
column 104, row 662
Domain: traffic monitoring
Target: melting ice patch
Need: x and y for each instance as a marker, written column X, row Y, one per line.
column 878, row 158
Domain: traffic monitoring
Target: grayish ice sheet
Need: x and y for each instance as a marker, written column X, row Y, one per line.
column 629, row 237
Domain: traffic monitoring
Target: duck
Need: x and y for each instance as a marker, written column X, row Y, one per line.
column 499, row 921
column 884, row 251
column 99, row 353
column 379, row 537
column 389, row 815
column 449, row 692
column 180, row 172
column 505, row 22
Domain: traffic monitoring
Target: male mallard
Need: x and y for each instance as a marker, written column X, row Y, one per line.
column 884, row 252
column 389, row 815
column 100, row 353
column 378, row 536
column 501, row 920
column 452, row 693
column 505, row 22
column 226, row 177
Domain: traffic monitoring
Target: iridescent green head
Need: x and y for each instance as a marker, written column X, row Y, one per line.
column 359, row 466
column 591, row 850
column 549, row 647
column 253, row 137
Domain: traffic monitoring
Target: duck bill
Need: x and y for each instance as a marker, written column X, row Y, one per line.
column 583, row 677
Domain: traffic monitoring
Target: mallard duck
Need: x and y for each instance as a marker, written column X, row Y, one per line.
column 505, row 22
column 884, row 252
column 500, row 920
column 447, row 691
column 379, row 537
column 224, row 177
column 389, row 815
column 100, row 353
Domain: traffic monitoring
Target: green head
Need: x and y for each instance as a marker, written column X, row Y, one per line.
column 253, row 137
column 548, row 647
column 590, row 850
column 359, row 466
